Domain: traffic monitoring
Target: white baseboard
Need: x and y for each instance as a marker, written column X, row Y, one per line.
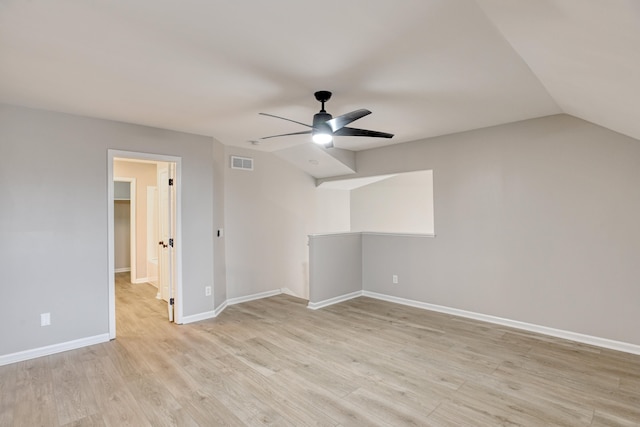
column 231, row 301
column 267, row 294
column 122, row 270
column 568, row 335
column 558, row 333
column 334, row 300
column 52, row 349
column 83, row 342
column 204, row 316
column 198, row 317
column 288, row 291
column 220, row 309
column 140, row 280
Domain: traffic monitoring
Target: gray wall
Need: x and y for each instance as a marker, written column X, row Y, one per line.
column 53, row 221
column 219, row 259
column 335, row 266
column 268, row 214
column 536, row 221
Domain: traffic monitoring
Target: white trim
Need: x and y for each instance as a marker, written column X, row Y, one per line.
column 136, row 156
column 204, row 316
column 544, row 330
column 198, row 317
column 178, row 250
column 370, row 233
column 231, row 301
column 140, row 280
column 122, row 270
column 52, row 349
column 111, row 245
column 220, row 309
column 288, row 291
column 338, row 233
column 267, row 294
column 382, row 233
column 334, row 300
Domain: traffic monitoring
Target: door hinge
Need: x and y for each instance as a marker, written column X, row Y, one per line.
column 171, row 242
column 170, row 181
column 171, row 301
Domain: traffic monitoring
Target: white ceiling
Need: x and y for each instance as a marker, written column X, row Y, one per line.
column 424, row 67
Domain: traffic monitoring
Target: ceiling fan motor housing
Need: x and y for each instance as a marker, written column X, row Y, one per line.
column 321, row 127
column 320, row 121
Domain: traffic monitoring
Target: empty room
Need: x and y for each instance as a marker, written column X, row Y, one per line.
column 356, row 213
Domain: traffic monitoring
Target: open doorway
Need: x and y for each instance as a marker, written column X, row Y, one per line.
column 156, row 255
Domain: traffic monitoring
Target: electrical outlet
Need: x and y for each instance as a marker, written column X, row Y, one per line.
column 207, row 291
column 45, row 319
column 395, row 279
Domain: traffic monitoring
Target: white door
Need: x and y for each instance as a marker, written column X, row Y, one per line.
column 166, row 217
column 153, row 237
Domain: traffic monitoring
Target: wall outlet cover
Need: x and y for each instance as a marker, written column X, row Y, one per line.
column 45, row 319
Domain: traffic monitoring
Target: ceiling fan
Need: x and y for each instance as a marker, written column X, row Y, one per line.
column 325, row 127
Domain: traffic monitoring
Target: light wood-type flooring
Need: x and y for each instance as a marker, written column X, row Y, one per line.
column 359, row 363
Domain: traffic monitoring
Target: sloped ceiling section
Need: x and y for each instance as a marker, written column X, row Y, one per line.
column 425, row 68
column 585, row 52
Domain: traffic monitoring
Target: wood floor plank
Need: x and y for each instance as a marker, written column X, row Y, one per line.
column 94, row 420
column 285, row 401
column 394, row 413
column 363, row 362
column 206, row 410
column 117, row 404
column 8, row 378
column 156, row 402
column 333, row 407
column 34, row 394
column 507, row 396
column 73, row 394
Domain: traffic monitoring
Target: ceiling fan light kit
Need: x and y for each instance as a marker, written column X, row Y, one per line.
column 322, row 138
column 325, row 127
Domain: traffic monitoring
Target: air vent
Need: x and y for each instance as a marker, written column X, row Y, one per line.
column 245, row 163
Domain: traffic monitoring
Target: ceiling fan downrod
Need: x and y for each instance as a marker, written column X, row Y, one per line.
column 322, row 96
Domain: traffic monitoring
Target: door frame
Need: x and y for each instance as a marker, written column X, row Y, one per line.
column 111, row 155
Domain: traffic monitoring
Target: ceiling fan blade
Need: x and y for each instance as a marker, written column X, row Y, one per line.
column 345, row 131
column 343, row 120
column 304, row 132
column 283, row 118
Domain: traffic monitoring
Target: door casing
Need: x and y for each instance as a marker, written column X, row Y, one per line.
column 111, row 155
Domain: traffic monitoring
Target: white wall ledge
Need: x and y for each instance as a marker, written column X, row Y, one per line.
column 370, row 233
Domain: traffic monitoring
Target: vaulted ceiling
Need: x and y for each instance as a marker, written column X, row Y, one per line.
column 424, row 67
